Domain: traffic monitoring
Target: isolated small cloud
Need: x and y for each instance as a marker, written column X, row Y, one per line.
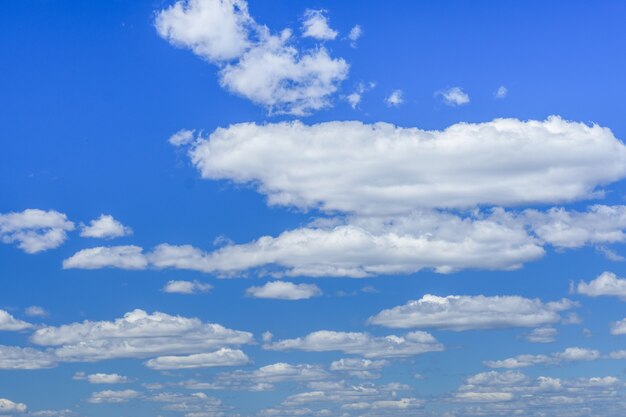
column 354, row 98
column 501, row 92
column 182, row 137
column 35, row 230
column 113, row 397
column 105, row 227
column 283, row 290
column 101, row 378
column 35, row 311
column 186, row 287
column 606, row 284
column 571, row 354
column 454, row 96
column 618, row 327
column 395, row 98
column 315, row 25
column 10, row 407
column 123, row 257
column 542, row 335
column 355, row 34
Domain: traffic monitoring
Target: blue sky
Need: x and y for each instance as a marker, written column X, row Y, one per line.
column 229, row 208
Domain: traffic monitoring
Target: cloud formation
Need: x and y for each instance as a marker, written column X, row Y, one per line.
column 35, row 230
column 606, row 284
column 105, row 227
column 10, row 323
column 283, row 290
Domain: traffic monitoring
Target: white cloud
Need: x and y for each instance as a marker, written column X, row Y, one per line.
column 35, row 230
column 10, row 323
column 354, row 98
column 619, row 327
column 265, row 68
column 115, row 397
column 395, row 98
column 182, row 137
column 571, row 354
column 123, row 257
column 13, row 357
column 500, row 93
column 363, row 344
column 382, row 169
column 606, row 284
column 265, row 377
column 221, row 357
column 136, row 335
column 105, row 227
column 454, row 96
column 35, row 311
column 315, row 25
column 10, row 407
column 100, row 378
column 542, row 335
column 460, row 313
column 283, row 290
column 359, row 368
column 186, row 287
column 355, row 34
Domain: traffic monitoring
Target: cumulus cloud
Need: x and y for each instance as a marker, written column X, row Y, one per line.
column 221, row 357
column 35, row 230
column 136, row 335
column 354, row 98
column 105, row 227
column 619, row 327
column 14, row 357
column 100, row 378
column 542, row 335
column 606, row 284
column 186, row 287
column 283, row 290
column 35, row 311
column 123, row 257
column 460, row 313
column 182, row 137
column 10, row 323
column 266, row 68
column 363, row 344
column 263, row 378
column 10, row 407
column 382, row 169
column 315, row 25
column 571, row 354
column 355, row 34
column 114, row 397
column 454, row 96
column 359, row 368
column 501, row 92
column 395, row 98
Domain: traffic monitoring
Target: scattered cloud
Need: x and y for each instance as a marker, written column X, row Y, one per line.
column 221, row 357
column 500, row 93
column 13, row 357
column 460, row 313
column 35, row 311
column 542, row 335
column 35, row 230
column 186, row 287
column 606, row 284
column 266, row 68
column 395, row 98
column 283, row 290
column 123, row 257
column 182, row 137
column 10, row 323
column 315, row 25
column 114, row 397
column 454, row 96
column 354, row 98
column 10, row 407
column 355, row 34
column 363, row 344
column 101, row 378
column 105, row 227
column 571, row 354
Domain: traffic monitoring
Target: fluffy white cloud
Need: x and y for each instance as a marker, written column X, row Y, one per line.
column 619, row 327
column 221, row 357
column 10, row 323
column 606, row 284
column 355, row 34
column 542, row 335
column 10, row 407
column 182, row 137
column 265, row 68
column 454, row 96
column 315, row 25
column 123, row 257
column 35, row 230
column 101, row 378
column 501, row 92
column 387, row 170
column 283, row 290
column 105, row 227
column 363, row 344
column 35, row 311
column 115, row 397
column 459, row 313
column 136, row 335
column 354, row 98
column 570, row 354
column 186, row 287
column 395, row 98
column 359, row 368
column 13, row 357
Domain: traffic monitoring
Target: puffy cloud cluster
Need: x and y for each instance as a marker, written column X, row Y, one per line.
column 460, row 313
column 264, row 67
column 35, row 230
column 105, row 227
column 10, row 323
column 606, row 284
column 101, row 378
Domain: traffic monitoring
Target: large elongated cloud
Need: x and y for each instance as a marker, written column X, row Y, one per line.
column 137, row 335
column 459, row 313
column 266, row 68
column 382, row 169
